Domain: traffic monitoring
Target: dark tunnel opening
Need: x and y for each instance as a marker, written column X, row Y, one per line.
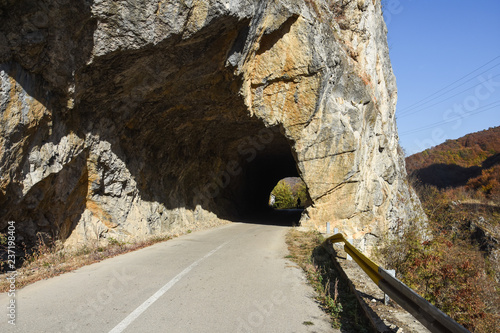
column 163, row 135
column 265, row 163
column 176, row 117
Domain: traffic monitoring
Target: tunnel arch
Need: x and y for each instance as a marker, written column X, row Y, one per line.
column 262, row 170
column 133, row 114
column 174, row 114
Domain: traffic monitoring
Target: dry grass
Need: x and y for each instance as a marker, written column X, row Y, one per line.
column 46, row 262
column 332, row 291
column 456, row 269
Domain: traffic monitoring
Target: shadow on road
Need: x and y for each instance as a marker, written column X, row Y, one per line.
column 279, row 217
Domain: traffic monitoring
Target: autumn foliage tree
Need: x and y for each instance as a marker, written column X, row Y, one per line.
column 488, row 183
column 471, row 162
column 456, row 266
column 452, row 275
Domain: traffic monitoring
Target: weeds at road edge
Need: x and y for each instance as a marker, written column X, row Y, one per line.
column 336, row 299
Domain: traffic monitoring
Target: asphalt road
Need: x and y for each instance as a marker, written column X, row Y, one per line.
column 234, row 278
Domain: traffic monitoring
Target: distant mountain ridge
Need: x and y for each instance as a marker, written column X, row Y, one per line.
column 472, row 161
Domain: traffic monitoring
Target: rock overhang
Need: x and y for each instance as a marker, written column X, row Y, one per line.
column 157, row 112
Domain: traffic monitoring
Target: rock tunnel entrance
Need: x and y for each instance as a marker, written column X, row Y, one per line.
column 144, row 121
column 138, row 122
column 145, row 140
column 243, row 185
column 174, row 115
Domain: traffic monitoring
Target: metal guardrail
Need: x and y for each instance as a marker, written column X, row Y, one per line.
column 431, row 317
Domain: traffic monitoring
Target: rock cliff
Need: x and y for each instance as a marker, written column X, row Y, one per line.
column 135, row 117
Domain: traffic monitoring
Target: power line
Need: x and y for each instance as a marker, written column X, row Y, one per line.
column 406, row 111
column 444, row 100
column 480, row 110
column 451, row 84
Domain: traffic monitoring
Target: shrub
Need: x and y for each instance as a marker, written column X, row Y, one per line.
column 284, row 197
column 448, row 269
column 452, row 276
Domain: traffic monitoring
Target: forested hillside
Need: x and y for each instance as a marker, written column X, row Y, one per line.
column 458, row 267
column 472, row 161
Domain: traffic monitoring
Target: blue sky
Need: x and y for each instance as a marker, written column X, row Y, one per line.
column 446, row 58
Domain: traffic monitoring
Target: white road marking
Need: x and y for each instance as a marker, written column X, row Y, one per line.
column 144, row 306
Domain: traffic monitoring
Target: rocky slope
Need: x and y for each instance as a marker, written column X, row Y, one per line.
column 128, row 118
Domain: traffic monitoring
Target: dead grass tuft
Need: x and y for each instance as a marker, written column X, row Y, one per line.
column 305, row 249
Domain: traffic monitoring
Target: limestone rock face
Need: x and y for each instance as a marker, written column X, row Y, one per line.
column 129, row 118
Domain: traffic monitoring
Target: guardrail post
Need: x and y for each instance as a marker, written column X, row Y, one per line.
column 335, row 231
column 348, row 257
column 391, row 272
column 327, row 228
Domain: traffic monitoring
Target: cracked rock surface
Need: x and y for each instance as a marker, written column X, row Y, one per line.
column 129, row 118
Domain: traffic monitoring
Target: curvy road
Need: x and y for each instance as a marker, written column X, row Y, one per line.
column 234, row 278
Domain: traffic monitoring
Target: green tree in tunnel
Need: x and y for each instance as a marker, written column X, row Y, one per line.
column 284, row 197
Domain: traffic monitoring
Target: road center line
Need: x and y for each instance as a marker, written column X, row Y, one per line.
column 143, row 307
